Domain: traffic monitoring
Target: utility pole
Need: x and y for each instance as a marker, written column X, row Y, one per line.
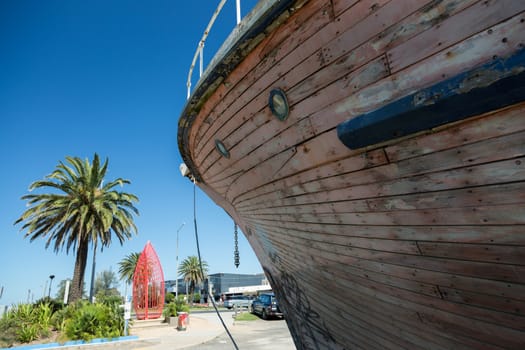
column 177, row 264
column 50, row 283
column 92, row 287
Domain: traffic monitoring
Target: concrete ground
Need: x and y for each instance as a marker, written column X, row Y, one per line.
column 205, row 331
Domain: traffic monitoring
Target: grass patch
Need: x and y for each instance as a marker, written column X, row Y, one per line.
column 206, row 308
column 246, row 316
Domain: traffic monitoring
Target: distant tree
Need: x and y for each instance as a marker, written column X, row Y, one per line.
column 106, row 284
column 79, row 210
column 61, row 289
column 190, row 270
column 127, row 267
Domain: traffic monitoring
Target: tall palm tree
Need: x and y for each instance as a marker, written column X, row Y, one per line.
column 190, row 270
column 79, row 210
column 127, row 267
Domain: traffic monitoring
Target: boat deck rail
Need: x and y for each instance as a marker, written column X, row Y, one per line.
column 199, row 53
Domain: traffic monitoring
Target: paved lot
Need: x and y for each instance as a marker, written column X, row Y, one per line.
column 253, row 335
column 205, row 331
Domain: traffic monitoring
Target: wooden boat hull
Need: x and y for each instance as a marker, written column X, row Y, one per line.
column 388, row 208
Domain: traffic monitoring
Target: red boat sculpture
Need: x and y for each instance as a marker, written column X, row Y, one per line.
column 148, row 285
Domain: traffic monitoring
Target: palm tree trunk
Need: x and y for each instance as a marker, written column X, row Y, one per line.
column 77, row 285
column 192, row 291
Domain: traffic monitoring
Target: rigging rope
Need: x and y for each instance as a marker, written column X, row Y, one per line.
column 200, row 266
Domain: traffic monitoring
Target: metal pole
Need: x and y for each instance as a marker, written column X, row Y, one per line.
column 44, row 290
column 201, row 58
column 238, row 11
column 66, row 291
column 50, row 283
column 92, row 287
column 177, row 264
column 201, row 44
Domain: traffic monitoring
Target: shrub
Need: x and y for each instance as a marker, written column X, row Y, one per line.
column 197, row 298
column 25, row 323
column 171, row 309
column 110, row 300
column 89, row 321
column 169, row 298
column 8, row 329
column 27, row 333
column 53, row 303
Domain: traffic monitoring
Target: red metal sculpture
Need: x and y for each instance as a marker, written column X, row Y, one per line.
column 148, row 285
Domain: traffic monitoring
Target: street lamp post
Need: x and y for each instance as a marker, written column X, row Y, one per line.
column 177, row 264
column 50, row 282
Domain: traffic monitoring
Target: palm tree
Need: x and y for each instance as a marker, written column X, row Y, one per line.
column 79, row 210
column 127, row 267
column 191, row 272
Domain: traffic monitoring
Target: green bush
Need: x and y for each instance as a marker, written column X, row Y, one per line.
column 171, row 309
column 169, row 298
column 8, row 330
column 89, row 321
column 197, row 297
column 110, row 300
column 59, row 318
column 53, row 303
column 26, row 333
column 25, row 322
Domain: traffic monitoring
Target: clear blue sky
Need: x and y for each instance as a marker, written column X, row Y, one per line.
column 106, row 76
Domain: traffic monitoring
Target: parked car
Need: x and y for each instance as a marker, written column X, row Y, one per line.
column 266, row 306
column 238, row 301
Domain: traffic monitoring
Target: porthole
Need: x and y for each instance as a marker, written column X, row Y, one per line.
column 222, row 149
column 279, row 104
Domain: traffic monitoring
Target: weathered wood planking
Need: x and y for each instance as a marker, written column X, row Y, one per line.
column 501, row 272
column 286, row 253
column 390, row 294
column 513, row 319
column 359, row 313
column 468, row 198
column 414, row 243
column 274, row 140
column 472, row 176
column 290, row 79
column 501, row 40
column 215, row 156
column 332, row 167
column 295, row 32
column 501, row 123
column 507, row 292
column 314, row 63
column 261, row 151
column 456, row 250
column 449, row 159
column 247, row 86
column 491, row 234
column 211, row 110
column 471, row 21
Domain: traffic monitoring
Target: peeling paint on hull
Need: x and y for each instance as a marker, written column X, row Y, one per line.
column 412, row 241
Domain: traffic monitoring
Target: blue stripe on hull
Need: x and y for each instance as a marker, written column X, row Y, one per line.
column 489, row 87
